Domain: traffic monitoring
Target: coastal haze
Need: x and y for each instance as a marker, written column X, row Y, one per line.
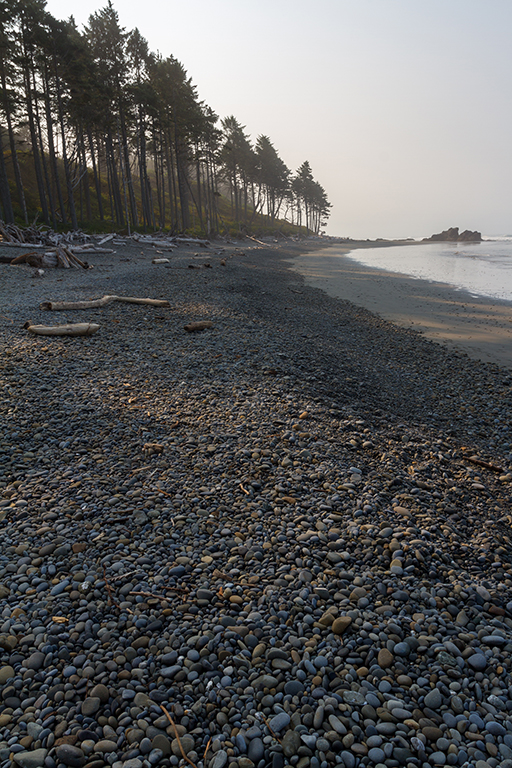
column 401, row 108
column 262, row 517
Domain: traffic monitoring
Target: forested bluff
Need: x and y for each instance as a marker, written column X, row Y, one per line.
column 98, row 131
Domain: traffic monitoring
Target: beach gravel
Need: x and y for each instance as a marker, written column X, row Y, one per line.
column 268, row 543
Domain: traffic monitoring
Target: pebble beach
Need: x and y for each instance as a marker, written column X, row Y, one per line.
column 282, row 541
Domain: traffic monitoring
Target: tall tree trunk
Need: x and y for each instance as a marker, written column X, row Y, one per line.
column 44, row 162
column 5, row 192
column 12, row 144
column 109, row 187
column 84, row 173
column 65, row 161
column 158, row 181
column 171, row 178
column 33, row 139
column 95, row 170
column 170, row 184
column 199, row 203
column 162, row 176
column 141, row 133
column 114, row 180
column 127, row 169
column 51, row 146
column 182, row 183
column 123, row 179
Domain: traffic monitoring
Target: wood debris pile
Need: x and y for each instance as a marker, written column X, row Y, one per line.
column 39, row 236
column 62, row 250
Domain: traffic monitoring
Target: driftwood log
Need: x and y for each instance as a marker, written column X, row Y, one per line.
column 61, row 256
column 199, row 326
column 23, row 258
column 21, row 245
column 89, row 249
column 70, row 329
column 56, row 306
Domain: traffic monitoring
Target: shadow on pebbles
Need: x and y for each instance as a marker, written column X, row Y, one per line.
column 266, row 529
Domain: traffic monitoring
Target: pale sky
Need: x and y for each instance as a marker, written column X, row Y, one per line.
column 402, row 107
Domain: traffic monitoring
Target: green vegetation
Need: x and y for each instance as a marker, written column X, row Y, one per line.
column 100, row 132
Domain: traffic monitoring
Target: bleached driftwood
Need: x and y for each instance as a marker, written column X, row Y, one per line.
column 22, row 259
column 160, row 261
column 70, row 329
column 22, row 245
column 56, row 306
column 89, row 249
column 191, row 241
column 59, row 257
column 199, row 326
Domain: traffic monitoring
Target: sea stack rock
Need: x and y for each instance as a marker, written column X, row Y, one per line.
column 448, row 236
column 470, row 237
column 452, row 236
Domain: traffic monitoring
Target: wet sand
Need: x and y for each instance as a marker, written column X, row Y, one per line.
column 481, row 327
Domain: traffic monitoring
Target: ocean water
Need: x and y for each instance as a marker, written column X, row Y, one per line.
column 483, row 269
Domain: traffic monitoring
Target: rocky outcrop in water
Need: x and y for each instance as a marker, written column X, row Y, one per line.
column 470, row 237
column 452, row 236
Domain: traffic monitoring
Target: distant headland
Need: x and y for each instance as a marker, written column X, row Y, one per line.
column 452, row 236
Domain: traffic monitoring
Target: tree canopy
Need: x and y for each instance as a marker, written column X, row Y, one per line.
column 96, row 128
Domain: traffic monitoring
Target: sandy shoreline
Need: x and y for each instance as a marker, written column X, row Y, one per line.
column 480, row 327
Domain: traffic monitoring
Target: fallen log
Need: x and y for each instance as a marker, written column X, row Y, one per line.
column 74, row 260
column 70, row 329
column 199, row 326
column 22, row 245
column 62, row 259
column 56, row 306
column 22, row 259
column 92, row 249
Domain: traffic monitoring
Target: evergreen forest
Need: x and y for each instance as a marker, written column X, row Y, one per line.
column 99, row 132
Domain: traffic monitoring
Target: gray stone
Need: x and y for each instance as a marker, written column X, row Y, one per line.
column 142, row 700
column 6, row 672
column 337, row 725
column 349, row 759
column 105, row 745
column 434, row 699
column 90, row 706
column 163, row 743
column 290, row 743
column 294, row 688
column 279, row 722
column 478, row 662
column 187, row 744
column 34, row 730
column 34, row 759
column 256, row 750
column 35, row 661
column 70, row 755
column 101, row 692
column 220, row 759
column 353, row 697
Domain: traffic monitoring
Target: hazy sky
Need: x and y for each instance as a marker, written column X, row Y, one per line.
column 402, row 107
